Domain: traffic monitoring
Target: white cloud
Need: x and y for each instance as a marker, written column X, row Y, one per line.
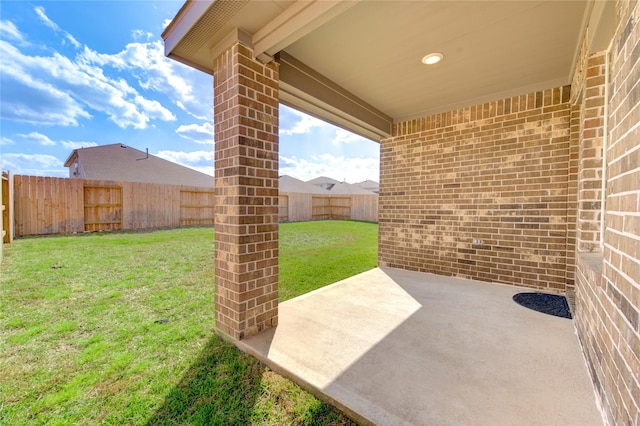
column 33, row 164
column 5, row 141
column 77, row 145
column 44, row 18
column 166, row 23
column 340, row 168
column 345, row 136
column 304, row 124
column 49, row 23
column 294, row 122
column 155, row 109
column 81, row 82
column 201, row 161
column 9, row 30
column 199, row 133
column 44, row 140
column 189, row 89
column 30, row 99
column 53, row 90
column 141, row 35
column 73, row 41
column 38, row 138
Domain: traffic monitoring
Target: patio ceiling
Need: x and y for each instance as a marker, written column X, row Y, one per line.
column 358, row 64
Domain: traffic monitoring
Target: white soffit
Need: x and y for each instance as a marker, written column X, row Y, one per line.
column 202, row 24
column 491, row 50
column 371, row 51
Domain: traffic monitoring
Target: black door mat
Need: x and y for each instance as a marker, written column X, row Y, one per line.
column 550, row 304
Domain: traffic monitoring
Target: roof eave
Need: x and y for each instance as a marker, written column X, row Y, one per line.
column 187, row 17
column 70, row 160
column 189, row 63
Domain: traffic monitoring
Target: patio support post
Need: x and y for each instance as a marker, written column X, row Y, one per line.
column 246, row 185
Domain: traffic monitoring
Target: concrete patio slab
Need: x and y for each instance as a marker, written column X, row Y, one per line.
column 394, row 347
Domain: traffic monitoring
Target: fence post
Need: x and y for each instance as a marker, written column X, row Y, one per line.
column 6, row 221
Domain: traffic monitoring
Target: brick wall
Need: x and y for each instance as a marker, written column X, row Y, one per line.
column 572, row 201
column 246, row 182
column 608, row 286
column 591, row 150
column 498, row 172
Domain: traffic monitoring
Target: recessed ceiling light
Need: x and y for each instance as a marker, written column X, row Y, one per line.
column 432, row 58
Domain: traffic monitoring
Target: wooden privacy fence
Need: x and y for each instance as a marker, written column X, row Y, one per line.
column 326, row 207
column 47, row 205
column 296, row 207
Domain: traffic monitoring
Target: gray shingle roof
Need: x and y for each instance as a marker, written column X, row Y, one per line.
column 369, row 185
column 119, row 162
column 348, row 188
column 291, row 184
column 323, row 180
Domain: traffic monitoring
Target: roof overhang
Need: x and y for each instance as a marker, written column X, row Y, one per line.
column 71, row 158
column 357, row 63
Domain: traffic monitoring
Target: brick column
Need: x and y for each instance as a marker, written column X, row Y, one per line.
column 246, row 182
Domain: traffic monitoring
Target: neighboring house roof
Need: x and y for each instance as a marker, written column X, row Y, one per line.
column 369, row 185
column 291, row 184
column 344, row 188
column 323, row 180
column 119, row 162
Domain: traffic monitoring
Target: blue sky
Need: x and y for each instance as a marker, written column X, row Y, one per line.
column 86, row 73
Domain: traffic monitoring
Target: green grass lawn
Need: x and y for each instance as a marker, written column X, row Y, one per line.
column 119, row 328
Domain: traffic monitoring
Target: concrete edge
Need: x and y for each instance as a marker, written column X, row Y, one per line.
column 359, row 418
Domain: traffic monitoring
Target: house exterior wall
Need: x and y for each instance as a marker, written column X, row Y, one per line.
column 499, row 172
column 76, row 171
column 591, row 154
column 572, row 201
column 608, row 280
column 246, row 185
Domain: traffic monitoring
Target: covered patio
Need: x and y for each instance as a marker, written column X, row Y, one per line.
column 513, row 161
column 395, row 347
